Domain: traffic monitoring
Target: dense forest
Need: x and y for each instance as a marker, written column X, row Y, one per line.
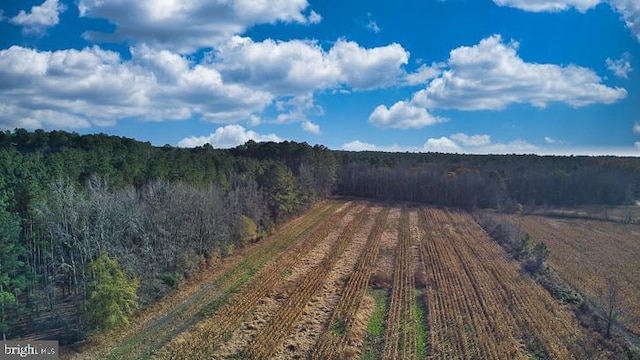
column 490, row 181
column 93, row 227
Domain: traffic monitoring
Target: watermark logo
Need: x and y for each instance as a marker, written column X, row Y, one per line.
column 34, row 349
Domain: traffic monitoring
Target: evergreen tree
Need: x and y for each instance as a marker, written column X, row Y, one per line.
column 112, row 297
column 12, row 268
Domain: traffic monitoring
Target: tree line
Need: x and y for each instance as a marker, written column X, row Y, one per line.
column 94, row 217
column 503, row 182
column 97, row 225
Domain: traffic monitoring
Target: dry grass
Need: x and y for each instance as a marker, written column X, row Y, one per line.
column 587, row 252
column 479, row 303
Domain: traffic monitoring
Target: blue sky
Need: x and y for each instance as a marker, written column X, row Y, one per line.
column 466, row 76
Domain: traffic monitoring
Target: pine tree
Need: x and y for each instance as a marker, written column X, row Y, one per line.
column 112, row 297
column 12, row 268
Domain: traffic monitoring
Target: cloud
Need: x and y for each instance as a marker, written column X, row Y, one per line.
column 476, row 144
column 291, row 67
column 628, row 9
column 402, row 115
column 630, row 12
column 364, row 69
column 94, row 86
column 637, row 145
column 358, row 145
column 296, row 109
column 491, row 76
column 441, row 145
column 517, row 146
column 227, row 137
column 549, row 5
column 620, row 67
column 424, row 74
column 310, row 127
column 39, row 18
column 16, row 117
column 457, row 143
column 551, row 141
column 314, row 18
column 473, row 140
column 373, row 26
column 636, row 128
column 298, row 66
column 234, row 84
column 187, row 26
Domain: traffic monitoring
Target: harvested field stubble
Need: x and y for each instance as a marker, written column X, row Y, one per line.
column 266, row 343
column 481, row 305
column 333, row 343
column 586, row 253
column 370, row 281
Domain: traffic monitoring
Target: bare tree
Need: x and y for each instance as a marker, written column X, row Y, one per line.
column 611, row 303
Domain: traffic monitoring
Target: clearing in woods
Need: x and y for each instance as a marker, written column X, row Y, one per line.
column 307, row 292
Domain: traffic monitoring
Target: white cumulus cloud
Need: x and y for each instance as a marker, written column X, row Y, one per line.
column 358, row 145
column 491, row 76
column 227, row 137
column 362, row 69
column 629, row 10
column 281, row 67
column 39, row 18
column 402, row 115
column 424, row 74
column 621, row 67
column 94, row 86
column 441, row 145
column 299, row 66
column 310, row 127
column 235, row 84
column 185, row 26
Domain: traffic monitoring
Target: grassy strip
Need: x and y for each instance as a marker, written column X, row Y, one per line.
column 421, row 324
column 372, row 348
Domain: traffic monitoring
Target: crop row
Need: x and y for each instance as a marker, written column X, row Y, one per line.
column 400, row 338
column 224, row 319
column 589, row 254
column 539, row 315
column 335, row 338
column 479, row 303
column 282, row 322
